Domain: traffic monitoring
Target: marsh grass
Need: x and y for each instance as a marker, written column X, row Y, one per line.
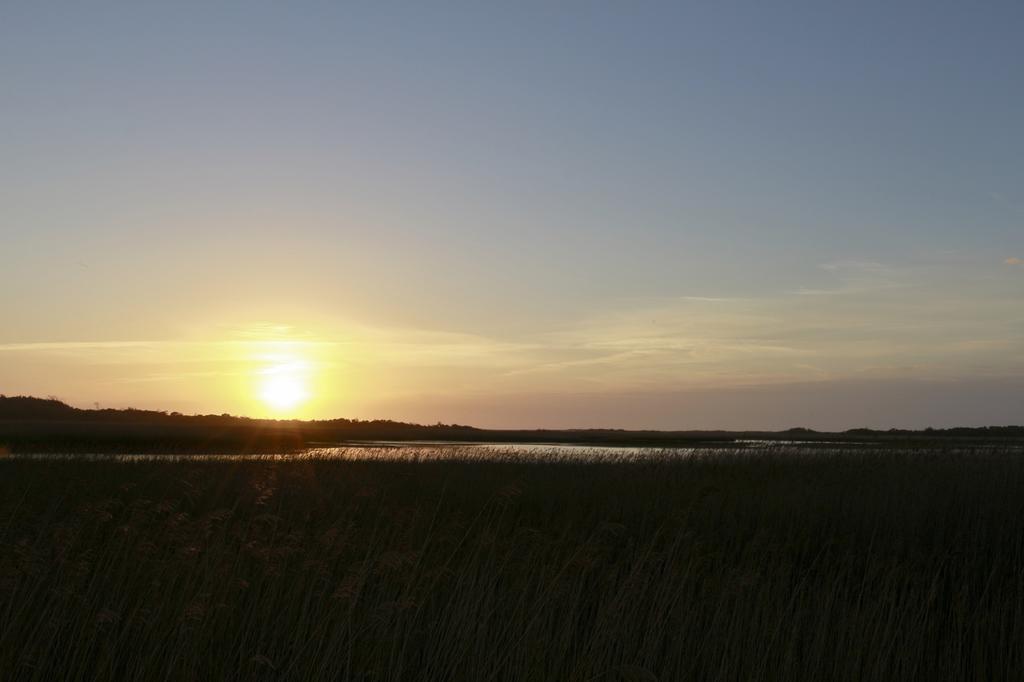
column 775, row 565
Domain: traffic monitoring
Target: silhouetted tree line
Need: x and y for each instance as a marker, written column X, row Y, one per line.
column 27, row 407
column 38, row 424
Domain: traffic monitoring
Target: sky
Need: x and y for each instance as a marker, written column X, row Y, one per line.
column 631, row 215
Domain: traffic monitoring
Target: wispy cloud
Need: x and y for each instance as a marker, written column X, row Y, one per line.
column 856, row 277
column 926, row 319
column 927, row 316
column 355, row 345
column 42, row 346
column 852, row 265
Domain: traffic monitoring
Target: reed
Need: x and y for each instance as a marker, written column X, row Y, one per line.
column 777, row 564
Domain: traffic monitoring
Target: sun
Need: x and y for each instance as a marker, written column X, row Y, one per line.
column 283, row 392
column 284, row 378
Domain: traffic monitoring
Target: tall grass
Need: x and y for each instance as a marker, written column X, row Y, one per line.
column 779, row 565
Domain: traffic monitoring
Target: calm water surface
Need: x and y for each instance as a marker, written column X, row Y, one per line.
column 446, row 450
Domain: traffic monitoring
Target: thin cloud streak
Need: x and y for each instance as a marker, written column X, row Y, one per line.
column 884, row 322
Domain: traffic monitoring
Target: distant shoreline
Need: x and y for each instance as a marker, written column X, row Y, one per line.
column 38, row 425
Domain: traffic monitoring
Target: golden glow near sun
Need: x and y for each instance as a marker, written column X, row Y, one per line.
column 292, row 376
column 283, row 383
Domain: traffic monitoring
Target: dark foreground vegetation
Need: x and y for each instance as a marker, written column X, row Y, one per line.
column 778, row 565
column 30, row 425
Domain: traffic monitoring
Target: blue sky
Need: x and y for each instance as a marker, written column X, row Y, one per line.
column 457, row 205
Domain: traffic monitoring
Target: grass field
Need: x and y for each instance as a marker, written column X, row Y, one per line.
column 779, row 564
